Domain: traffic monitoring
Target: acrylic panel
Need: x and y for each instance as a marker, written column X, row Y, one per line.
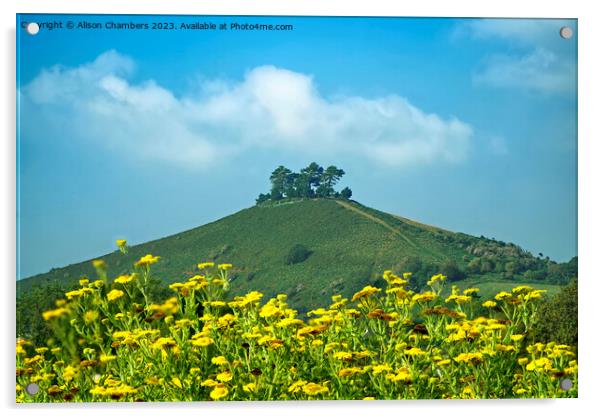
column 254, row 208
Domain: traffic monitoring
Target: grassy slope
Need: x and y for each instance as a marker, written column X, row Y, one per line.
column 351, row 245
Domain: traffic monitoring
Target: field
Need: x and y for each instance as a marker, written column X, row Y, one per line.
column 112, row 342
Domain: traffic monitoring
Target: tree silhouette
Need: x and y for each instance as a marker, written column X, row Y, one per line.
column 278, row 179
column 330, row 177
column 312, row 176
column 346, row 193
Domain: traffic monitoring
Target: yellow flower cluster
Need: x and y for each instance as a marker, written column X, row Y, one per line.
column 113, row 343
column 147, row 260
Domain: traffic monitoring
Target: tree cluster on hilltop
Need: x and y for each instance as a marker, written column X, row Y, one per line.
column 312, row 181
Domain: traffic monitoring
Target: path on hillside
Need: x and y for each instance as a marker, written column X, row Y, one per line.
column 377, row 220
column 422, row 225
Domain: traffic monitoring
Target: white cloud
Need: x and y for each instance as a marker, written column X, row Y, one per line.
column 540, row 59
column 271, row 108
column 540, row 70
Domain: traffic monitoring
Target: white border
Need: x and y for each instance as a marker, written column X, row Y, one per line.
column 590, row 207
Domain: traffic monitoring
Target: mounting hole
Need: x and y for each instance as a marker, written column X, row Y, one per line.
column 32, row 388
column 566, row 32
column 32, row 28
column 566, row 384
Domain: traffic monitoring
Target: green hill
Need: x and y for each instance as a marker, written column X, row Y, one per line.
column 349, row 245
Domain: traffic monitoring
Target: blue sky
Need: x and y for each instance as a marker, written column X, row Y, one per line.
column 466, row 124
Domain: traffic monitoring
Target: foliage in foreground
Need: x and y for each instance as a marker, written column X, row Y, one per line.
column 113, row 343
column 557, row 318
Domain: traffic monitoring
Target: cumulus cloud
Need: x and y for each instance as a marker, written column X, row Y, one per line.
column 539, row 60
column 270, row 108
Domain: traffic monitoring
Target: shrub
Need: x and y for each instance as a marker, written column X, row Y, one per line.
column 297, row 254
column 31, row 304
column 450, row 269
column 557, row 318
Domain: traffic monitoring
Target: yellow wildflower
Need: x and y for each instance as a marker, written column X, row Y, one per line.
column 69, row 373
column 289, row 322
column 209, row 383
column 90, row 316
column 470, row 291
column 424, row 297
column 393, row 279
column 224, row 376
column 147, row 260
column 459, row 299
column 99, row 263
column 115, row 294
column 403, row 375
column 377, row 369
column 177, row 382
column 415, row 352
column 468, row 392
column 201, row 341
column 52, row 314
column 436, row 278
column 503, row 296
column 521, row 289
column 342, row 355
column 297, row 386
column 534, row 295
column 250, row 387
column 541, row 364
column 163, row 342
column 219, row 360
column 365, row 292
column 124, row 279
column 107, row 358
column 219, row 391
column 251, row 298
column 270, row 310
column 469, row 357
column 312, row 389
